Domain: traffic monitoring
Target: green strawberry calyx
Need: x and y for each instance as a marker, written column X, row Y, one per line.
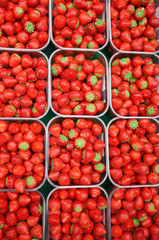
column 40, row 208
column 77, row 25
column 144, row 85
column 71, row 133
column 78, row 40
column 90, row 107
column 78, row 209
column 135, row 147
column 94, row 80
column 1, row 226
column 29, row 27
column 156, row 169
column 99, row 166
column 132, row 79
column 77, row 108
column 80, row 143
column 63, row 138
column 140, row 12
column 90, row 45
column 99, row 22
column 149, row 63
column 116, row 90
column 152, row 207
column 133, row 124
column 64, row 59
column 97, row 157
column 34, row 110
column 102, row 207
column 115, row 63
column 128, row 75
column 63, row 7
column 30, row 181
column 79, row 68
column 143, row 21
column 133, row 24
column 127, row 94
column 20, row 10
column 70, row 5
column 150, row 110
column 90, row 14
column 90, row 97
column 12, row 107
column 17, row 55
column 54, row 70
column 24, row 146
column 143, row 218
column 136, row 222
column 125, row 60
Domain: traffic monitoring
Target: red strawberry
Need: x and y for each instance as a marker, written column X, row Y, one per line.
column 84, row 220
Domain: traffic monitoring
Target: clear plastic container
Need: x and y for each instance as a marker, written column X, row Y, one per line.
column 37, row 54
column 107, row 146
column 131, row 55
column 103, row 16
column 101, row 137
column 110, row 33
column 88, row 55
column 9, row 120
column 104, row 212
column 39, row 49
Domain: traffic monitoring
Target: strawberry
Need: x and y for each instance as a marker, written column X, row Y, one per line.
column 151, row 110
column 80, row 143
column 22, row 228
column 19, row 185
column 84, row 220
column 84, row 18
column 99, row 167
column 99, row 230
column 36, row 231
column 76, row 39
column 76, row 230
column 31, row 182
column 101, row 203
column 100, row 25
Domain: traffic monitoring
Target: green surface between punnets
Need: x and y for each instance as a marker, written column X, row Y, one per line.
column 46, row 188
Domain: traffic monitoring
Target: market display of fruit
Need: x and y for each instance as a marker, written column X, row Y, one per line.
column 77, row 84
column 134, row 151
column 22, row 154
column 23, row 82
column 24, row 23
column 134, row 25
column 77, row 153
column 80, row 150
column 77, row 214
column 134, row 86
column 21, row 216
column 79, row 23
column 135, row 214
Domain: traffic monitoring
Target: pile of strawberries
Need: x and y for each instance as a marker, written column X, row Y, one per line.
column 76, row 153
column 21, row 155
column 23, row 23
column 22, row 85
column 134, row 24
column 21, row 216
column 77, row 84
column 78, row 23
column 134, row 86
column 133, row 152
column 135, row 214
column 77, row 214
